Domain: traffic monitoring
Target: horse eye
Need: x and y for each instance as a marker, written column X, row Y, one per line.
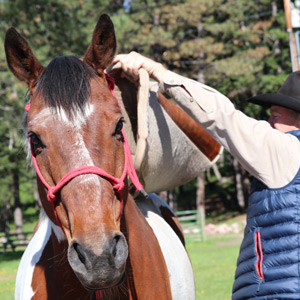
column 35, row 140
column 119, row 127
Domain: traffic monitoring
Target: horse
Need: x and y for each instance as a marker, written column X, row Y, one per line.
column 92, row 241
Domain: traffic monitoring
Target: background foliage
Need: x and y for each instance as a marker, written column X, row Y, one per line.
column 239, row 47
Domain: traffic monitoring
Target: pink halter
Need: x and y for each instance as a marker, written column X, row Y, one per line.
column 117, row 183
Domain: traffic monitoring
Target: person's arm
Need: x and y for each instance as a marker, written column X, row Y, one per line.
column 269, row 155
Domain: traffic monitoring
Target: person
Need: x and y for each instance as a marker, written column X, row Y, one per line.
column 268, row 266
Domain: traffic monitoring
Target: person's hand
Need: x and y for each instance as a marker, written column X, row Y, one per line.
column 132, row 62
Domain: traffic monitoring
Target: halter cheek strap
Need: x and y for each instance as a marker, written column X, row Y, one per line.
column 117, row 183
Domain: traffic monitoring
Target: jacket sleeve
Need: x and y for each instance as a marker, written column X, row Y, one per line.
column 269, row 155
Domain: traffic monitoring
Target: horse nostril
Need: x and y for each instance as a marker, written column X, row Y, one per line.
column 78, row 250
column 114, row 244
column 118, row 251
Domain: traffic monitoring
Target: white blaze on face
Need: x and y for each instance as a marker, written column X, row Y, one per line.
column 76, row 147
column 79, row 118
column 81, row 156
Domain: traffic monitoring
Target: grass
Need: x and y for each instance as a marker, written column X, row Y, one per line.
column 213, row 263
column 228, row 217
column 9, row 262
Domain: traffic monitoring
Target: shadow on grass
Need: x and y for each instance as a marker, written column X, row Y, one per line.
column 11, row 255
column 221, row 217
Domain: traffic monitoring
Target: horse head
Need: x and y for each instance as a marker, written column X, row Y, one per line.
column 75, row 123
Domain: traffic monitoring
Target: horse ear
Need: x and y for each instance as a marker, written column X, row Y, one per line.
column 101, row 51
column 20, row 58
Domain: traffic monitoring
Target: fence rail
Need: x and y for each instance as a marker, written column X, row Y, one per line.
column 191, row 223
column 14, row 240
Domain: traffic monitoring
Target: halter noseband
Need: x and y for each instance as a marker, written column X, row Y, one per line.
column 117, row 183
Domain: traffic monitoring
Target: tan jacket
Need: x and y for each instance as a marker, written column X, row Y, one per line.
column 269, row 155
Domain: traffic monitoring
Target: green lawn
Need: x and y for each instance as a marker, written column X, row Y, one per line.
column 213, row 263
column 9, row 262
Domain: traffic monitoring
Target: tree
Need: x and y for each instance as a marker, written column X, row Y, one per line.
column 52, row 28
column 239, row 47
column 12, row 158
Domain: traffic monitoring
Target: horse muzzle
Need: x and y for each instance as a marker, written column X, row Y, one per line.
column 99, row 267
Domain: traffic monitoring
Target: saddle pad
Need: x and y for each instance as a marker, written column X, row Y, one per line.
column 164, row 157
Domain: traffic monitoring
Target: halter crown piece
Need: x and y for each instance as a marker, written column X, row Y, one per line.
column 117, row 183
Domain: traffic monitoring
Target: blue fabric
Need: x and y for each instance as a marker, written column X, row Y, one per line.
column 274, row 215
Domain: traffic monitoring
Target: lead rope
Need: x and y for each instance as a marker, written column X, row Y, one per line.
column 118, row 183
column 131, row 170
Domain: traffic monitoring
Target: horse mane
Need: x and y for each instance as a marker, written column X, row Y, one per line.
column 65, row 84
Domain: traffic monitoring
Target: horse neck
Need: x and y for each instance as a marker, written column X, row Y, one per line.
column 52, row 275
column 147, row 274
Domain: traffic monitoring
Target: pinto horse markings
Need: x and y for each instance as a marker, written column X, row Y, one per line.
column 75, row 121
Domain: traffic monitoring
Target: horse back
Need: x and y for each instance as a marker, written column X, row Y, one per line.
column 156, row 205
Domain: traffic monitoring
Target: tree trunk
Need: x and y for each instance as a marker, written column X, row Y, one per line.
column 172, row 199
column 246, row 185
column 200, row 196
column 18, row 216
column 239, row 184
column 163, row 195
column 200, row 75
column 37, row 201
column 217, row 172
column 5, row 213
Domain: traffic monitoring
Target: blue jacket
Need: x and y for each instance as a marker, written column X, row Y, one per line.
column 268, row 266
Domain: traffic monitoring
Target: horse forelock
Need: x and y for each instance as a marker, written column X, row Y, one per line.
column 65, row 85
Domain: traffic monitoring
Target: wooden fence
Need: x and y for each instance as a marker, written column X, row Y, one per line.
column 191, row 222
column 10, row 241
